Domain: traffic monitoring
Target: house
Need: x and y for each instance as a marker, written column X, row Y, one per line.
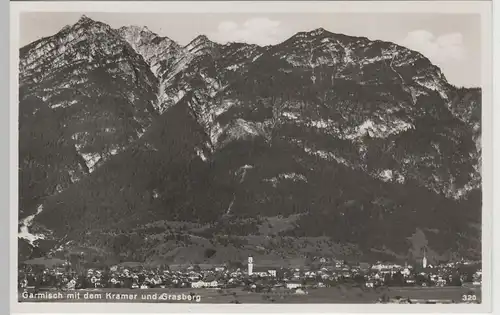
column 440, row 282
column 310, row 274
column 264, row 271
column 198, row 284
column 71, row 285
column 236, row 273
column 293, row 285
column 406, row 272
column 300, row 291
column 380, row 266
column 204, row 284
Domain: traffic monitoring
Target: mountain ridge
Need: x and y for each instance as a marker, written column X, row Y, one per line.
column 270, row 129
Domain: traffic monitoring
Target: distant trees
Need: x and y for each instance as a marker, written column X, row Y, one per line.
column 455, row 280
column 359, row 279
column 398, row 279
column 76, row 261
column 236, row 265
column 420, row 279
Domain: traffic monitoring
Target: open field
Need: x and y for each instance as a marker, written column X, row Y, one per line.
column 340, row 294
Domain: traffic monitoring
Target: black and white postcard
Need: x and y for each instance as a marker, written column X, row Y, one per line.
column 291, row 154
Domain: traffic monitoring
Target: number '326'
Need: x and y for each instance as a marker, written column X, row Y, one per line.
column 467, row 298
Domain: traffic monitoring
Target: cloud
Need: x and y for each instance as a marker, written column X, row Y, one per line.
column 440, row 49
column 260, row 31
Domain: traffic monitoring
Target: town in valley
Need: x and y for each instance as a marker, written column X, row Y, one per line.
column 387, row 282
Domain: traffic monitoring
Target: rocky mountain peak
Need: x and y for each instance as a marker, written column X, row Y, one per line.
column 90, row 26
column 318, row 31
column 95, row 96
column 200, row 44
column 200, row 39
column 159, row 52
column 85, row 20
column 142, row 32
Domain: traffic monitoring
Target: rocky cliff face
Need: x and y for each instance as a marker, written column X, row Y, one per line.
column 85, row 95
column 347, row 146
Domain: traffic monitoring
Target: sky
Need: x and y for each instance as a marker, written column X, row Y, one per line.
column 450, row 41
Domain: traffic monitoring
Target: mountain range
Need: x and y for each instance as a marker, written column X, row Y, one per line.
column 134, row 147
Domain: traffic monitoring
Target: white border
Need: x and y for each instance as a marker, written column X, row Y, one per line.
column 456, row 7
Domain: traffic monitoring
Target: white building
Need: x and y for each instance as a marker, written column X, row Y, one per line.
column 198, row 284
column 406, row 272
column 250, row 265
column 293, row 285
column 204, row 284
column 381, row 266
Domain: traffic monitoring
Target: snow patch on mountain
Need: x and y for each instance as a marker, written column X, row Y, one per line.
column 390, row 176
column 224, row 106
column 215, row 132
column 64, row 104
column 202, row 155
column 286, row 176
column 91, row 160
column 234, row 67
column 25, row 225
column 73, row 176
column 329, row 156
column 462, row 192
column 379, row 130
column 320, row 124
column 382, row 58
column 434, row 85
column 290, row 115
column 242, row 127
column 237, row 130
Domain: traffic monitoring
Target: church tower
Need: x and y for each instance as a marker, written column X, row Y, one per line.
column 250, row 265
column 424, row 260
